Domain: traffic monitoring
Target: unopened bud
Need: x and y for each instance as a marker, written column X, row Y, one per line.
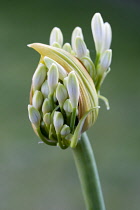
column 37, row 99
column 97, row 27
column 47, row 106
column 47, row 118
column 39, row 76
column 67, row 47
column 56, row 36
column 61, row 94
column 68, row 106
column 73, row 89
column 69, row 137
column 62, row 72
column 65, row 81
column 45, row 89
column 53, row 77
column 107, row 38
column 56, row 44
column 58, row 121
column 89, row 66
column 105, row 60
column 65, row 130
column 34, row 116
column 76, row 32
column 81, row 48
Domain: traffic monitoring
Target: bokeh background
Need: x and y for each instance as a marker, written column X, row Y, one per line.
column 38, row 177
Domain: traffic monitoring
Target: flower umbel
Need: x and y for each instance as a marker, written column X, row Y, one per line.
column 66, row 84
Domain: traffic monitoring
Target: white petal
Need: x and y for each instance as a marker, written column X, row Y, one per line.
column 81, row 48
column 56, row 36
column 106, row 60
column 97, row 27
column 76, row 32
column 73, row 89
column 62, row 72
column 107, row 37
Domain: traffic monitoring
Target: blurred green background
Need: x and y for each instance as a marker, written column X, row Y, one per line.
column 38, row 177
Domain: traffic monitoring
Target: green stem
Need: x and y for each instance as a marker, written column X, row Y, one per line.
column 88, row 174
column 72, row 120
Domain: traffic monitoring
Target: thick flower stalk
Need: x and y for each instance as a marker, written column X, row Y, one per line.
column 66, row 84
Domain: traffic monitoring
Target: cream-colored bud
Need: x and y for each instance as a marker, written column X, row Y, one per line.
column 34, row 116
column 37, row 99
column 65, row 130
column 69, row 137
column 67, row 47
column 73, row 89
column 77, row 32
column 47, row 118
column 53, row 77
column 61, row 94
column 56, row 44
column 97, row 27
column 56, row 36
column 105, row 60
column 65, row 81
column 58, row 121
column 89, row 66
column 39, row 76
column 107, row 38
column 45, row 89
column 47, row 106
column 62, row 72
column 68, row 106
column 81, row 48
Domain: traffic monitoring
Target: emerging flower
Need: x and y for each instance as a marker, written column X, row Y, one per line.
column 66, row 84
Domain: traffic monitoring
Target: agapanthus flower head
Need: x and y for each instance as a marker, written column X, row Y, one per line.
column 66, row 85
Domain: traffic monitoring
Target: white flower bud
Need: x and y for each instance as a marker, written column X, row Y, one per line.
column 68, row 106
column 105, row 60
column 97, row 27
column 61, row 94
column 58, row 121
column 77, row 32
column 39, row 76
column 37, row 99
column 34, row 116
column 47, row 118
column 65, row 130
column 56, row 36
column 65, row 81
column 56, row 44
column 67, row 47
column 69, row 137
column 107, row 37
column 53, row 77
column 81, row 48
column 47, row 106
column 45, row 89
column 73, row 89
column 89, row 66
column 62, row 73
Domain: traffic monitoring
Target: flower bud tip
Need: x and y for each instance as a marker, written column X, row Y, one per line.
column 34, row 115
column 28, row 45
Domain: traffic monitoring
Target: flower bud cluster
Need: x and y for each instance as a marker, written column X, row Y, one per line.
column 54, row 103
column 66, row 84
column 102, row 35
